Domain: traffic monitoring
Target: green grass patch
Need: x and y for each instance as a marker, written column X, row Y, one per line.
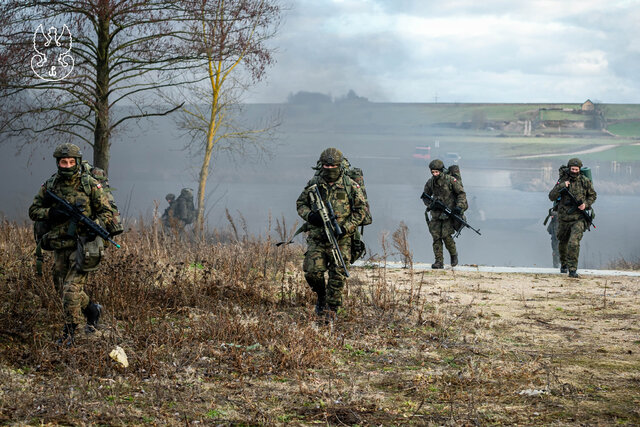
column 627, row 129
column 623, row 153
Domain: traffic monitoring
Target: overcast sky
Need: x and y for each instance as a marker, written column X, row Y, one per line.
column 459, row 51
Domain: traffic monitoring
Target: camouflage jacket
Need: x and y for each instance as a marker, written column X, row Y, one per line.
column 347, row 200
column 449, row 191
column 81, row 190
column 581, row 188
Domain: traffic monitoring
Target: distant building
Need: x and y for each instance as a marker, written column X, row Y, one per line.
column 588, row 106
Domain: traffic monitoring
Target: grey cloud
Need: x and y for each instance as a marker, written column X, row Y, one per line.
column 314, row 55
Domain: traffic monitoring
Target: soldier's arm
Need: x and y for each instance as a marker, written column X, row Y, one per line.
column 357, row 210
column 461, row 195
column 302, row 204
column 555, row 191
column 101, row 207
column 38, row 211
column 428, row 188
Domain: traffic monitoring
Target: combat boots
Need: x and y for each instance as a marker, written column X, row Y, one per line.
column 321, row 304
column 68, row 335
column 454, row 260
column 574, row 274
column 563, row 269
column 438, row 265
column 92, row 313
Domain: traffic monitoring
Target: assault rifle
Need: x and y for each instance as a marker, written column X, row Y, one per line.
column 587, row 217
column 330, row 224
column 77, row 216
column 438, row 205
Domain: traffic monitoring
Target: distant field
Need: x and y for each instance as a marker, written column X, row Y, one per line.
column 628, row 129
column 621, row 111
column 624, row 153
column 482, row 131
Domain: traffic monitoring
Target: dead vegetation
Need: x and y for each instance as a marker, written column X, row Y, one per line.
column 624, row 264
column 223, row 332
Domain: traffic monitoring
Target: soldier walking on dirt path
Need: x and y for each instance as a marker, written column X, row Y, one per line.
column 446, row 188
column 571, row 219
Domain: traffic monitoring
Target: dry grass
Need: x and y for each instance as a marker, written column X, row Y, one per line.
column 623, row 264
column 223, row 332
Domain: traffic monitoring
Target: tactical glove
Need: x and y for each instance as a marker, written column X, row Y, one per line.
column 57, row 216
column 314, row 218
column 457, row 211
column 114, row 228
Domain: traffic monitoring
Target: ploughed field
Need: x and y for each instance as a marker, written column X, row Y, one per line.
column 223, row 332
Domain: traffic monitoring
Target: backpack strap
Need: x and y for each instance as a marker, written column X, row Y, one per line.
column 85, row 181
column 349, row 187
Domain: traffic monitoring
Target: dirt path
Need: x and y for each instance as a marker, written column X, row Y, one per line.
column 580, row 338
column 596, row 303
column 601, row 310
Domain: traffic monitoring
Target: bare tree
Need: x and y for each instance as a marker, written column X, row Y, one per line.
column 231, row 37
column 122, row 51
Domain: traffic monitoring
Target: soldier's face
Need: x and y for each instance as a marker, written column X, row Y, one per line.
column 67, row 162
column 329, row 166
column 435, row 173
column 574, row 169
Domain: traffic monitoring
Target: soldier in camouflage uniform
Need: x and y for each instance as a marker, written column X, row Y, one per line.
column 181, row 211
column 571, row 223
column 168, row 212
column 70, row 268
column 449, row 191
column 349, row 203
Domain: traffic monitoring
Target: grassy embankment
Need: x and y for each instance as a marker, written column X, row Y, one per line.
column 224, row 333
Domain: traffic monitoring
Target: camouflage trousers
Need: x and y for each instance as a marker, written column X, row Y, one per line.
column 317, row 260
column 569, row 236
column 442, row 231
column 70, row 282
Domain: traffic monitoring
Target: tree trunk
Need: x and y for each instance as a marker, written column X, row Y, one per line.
column 202, row 184
column 101, row 143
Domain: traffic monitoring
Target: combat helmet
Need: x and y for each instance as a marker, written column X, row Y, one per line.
column 170, row 197
column 68, row 150
column 574, row 162
column 436, row 165
column 331, row 156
